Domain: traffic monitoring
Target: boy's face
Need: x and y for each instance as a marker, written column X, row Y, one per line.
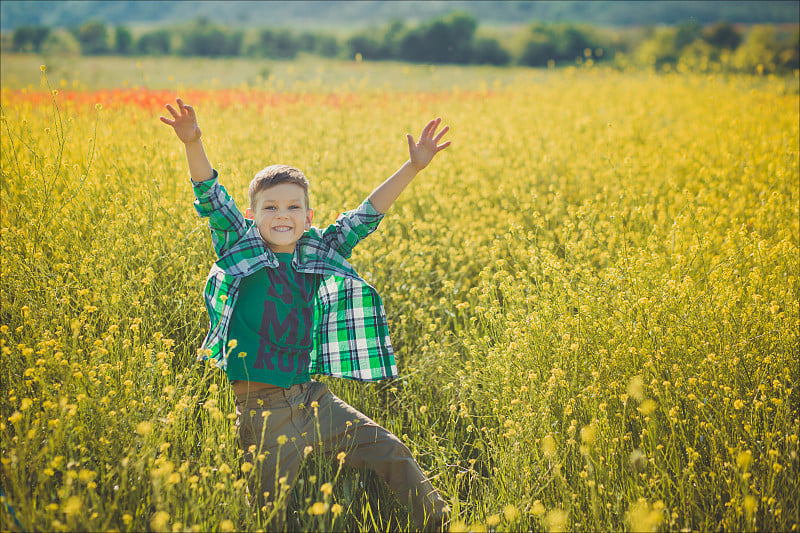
column 281, row 215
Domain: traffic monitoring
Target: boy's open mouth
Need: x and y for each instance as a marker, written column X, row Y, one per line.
column 282, row 228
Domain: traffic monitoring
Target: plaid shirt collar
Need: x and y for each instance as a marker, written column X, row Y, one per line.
column 250, row 254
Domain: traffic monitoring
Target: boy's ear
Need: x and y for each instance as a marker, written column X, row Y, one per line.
column 309, row 218
column 248, row 213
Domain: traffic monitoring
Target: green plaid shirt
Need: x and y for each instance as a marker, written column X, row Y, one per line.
column 350, row 334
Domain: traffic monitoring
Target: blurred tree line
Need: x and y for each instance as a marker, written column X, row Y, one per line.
column 453, row 39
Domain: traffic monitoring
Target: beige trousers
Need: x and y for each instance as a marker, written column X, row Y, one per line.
column 341, row 428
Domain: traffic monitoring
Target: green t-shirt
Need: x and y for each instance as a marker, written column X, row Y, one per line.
column 271, row 323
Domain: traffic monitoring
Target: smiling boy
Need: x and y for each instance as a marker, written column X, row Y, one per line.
column 285, row 304
column 281, row 215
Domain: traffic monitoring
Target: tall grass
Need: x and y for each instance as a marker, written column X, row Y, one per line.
column 593, row 296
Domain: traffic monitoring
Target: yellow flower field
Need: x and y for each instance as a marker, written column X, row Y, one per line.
column 593, row 294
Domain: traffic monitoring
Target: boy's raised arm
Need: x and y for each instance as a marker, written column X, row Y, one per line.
column 420, row 154
column 184, row 122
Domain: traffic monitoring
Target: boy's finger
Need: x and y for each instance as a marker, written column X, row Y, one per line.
column 426, row 130
column 167, row 121
column 441, row 134
column 442, row 146
column 172, row 111
column 411, row 143
column 435, row 124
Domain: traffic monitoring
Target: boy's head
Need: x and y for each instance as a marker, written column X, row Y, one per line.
column 279, row 206
column 275, row 174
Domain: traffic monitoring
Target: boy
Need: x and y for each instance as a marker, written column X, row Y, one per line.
column 284, row 304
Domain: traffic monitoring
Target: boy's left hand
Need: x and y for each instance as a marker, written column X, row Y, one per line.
column 423, row 151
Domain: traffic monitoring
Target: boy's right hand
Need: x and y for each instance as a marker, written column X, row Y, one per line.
column 184, row 122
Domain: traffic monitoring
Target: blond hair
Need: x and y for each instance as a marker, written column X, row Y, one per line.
column 274, row 175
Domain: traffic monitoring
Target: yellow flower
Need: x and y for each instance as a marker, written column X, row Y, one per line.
column 72, row 506
column 336, row 509
column 638, row 460
column 537, row 509
column 556, row 521
column 144, row 428
column 548, row 446
column 340, row 457
column 326, row 489
column 307, row 450
column 642, row 517
column 318, row 508
column 459, row 527
column 511, row 513
column 744, row 459
column 15, row 417
column 636, row 388
column 42, row 68
column 159, row 521
column 647, row 407
column 282, row 439
column 750, row 505
column 226, row 525
column 588, row 434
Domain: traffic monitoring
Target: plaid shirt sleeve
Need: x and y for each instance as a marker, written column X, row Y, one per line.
column 226, row 222
column 350, row 227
